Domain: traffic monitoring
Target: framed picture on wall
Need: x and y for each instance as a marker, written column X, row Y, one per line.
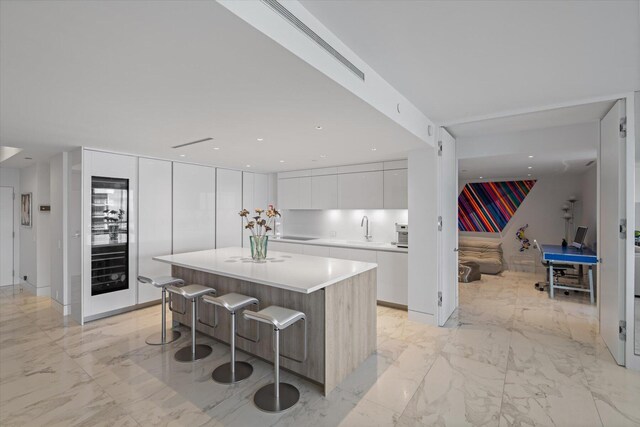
column 25, row 210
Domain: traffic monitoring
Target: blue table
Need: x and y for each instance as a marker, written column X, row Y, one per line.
column 569, row 255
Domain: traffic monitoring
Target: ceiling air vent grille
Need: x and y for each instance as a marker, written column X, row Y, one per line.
column 284, row 12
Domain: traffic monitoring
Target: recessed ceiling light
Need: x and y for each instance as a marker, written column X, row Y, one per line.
column 374, row 149
column 260, row 139
column 183, row 155
column 480, row 177
column 281, row 161
column 529, row 167
column 248, row 166
column 531, row 157
column 528, row 174
column 319, row 127
column 216, row 148
column 322, row 156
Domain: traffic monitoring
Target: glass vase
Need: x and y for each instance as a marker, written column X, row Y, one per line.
column 259, row 247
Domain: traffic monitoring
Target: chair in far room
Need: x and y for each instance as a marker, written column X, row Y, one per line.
column 559, row 270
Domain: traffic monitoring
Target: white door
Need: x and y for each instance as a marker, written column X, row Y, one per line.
column 448, row 227
column 611, row 244
column 6, row 236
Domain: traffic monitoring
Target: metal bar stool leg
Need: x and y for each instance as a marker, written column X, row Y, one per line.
column 278, row 396
column 196, row 351
column 233, row 372
column 161, row 338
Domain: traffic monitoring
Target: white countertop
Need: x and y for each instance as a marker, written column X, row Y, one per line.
column 373, row 246
column 293, row 272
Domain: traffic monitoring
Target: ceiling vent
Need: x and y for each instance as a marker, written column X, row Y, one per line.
column 192, row 142
column 284, row 12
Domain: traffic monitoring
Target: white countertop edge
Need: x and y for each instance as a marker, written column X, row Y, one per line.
column 338, row 244
column 367, row 267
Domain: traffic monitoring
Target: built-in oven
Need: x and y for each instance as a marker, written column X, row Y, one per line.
column 109, row 235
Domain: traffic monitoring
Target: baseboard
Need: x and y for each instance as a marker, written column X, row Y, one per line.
column 428, row 319
column 392, row 305
column 62, row 309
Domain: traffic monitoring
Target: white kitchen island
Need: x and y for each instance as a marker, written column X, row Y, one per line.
column 338, row 297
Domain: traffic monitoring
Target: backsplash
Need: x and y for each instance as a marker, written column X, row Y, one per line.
column 345, row 223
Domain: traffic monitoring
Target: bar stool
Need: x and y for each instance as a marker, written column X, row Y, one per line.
column 193, row 293
column 232, row 372
column 162, row 282
column 277, row 397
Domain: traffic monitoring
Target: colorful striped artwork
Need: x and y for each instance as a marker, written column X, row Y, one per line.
column 488, row 206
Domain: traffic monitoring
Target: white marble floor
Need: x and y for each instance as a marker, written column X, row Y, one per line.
column 508, row 356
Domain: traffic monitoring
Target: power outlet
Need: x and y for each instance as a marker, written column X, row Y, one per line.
column 332, row 234
column 24, row 278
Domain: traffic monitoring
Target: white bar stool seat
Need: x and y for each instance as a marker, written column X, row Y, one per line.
column 161, row 338
column 277, row 397
column 192, row 292
column 232, row 372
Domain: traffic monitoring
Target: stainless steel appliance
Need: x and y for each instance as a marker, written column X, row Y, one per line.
column 403, row 235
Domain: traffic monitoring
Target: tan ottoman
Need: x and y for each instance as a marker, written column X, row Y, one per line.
column 469, row 272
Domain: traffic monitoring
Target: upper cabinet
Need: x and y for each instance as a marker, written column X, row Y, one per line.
column 396, row 191
column 380, row 185
column 294, row 193
column 360, row 190
column 194, row 207
column 324, row 192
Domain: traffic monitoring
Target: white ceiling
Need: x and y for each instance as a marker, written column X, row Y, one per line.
column 461, row 59
column 140, row 77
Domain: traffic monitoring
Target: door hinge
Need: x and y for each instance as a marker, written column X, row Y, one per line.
column 622, row 330
column 439, row 299
column 440, row 148
column 623, row 228
column 623, row 127
column 439, row 223
column 13, row 234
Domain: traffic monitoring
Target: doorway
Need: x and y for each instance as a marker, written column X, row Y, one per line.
column 7, row 235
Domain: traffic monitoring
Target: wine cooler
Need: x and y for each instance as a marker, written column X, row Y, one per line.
column 109, row 235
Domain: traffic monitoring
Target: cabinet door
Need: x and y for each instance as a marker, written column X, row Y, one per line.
column 362, row 190
column 154, row 227
column 194, row 208
column 248, row 185
column 324, row 192
column 288, row 193
column 393, row 277
column 228, row 204
column 396, row 192
column 353, row 254
column 317, row 250
column 294, row 193
column 285, row 247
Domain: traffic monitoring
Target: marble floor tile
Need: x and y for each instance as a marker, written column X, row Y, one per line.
column 508, row 355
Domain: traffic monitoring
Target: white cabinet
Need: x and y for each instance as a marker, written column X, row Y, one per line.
column 154, row 228
column 294, row 193
column 353, row 254
column 396, row 192
column 194, row 215
column 313, row 250
column 324, row 192
column 393, row 277
column 294, row 248
column 228, row 204
column 361, row 190
column 255, row 194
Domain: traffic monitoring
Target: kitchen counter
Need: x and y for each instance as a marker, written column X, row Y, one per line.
column 293, row 272
column 356, row 244
column 337, row 296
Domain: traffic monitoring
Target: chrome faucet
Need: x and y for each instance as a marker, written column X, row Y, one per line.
column 366, row 230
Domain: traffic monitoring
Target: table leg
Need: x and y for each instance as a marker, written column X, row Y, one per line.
column 551, row 293
column 591, row 284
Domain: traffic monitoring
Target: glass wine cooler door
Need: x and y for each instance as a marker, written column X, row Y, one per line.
column 109, row 235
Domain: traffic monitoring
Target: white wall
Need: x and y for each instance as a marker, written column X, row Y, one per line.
column 343, row 223
column 58, row 226
column 541, row 209
column 28, row 241
column 43, row 238
column 11, row 178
